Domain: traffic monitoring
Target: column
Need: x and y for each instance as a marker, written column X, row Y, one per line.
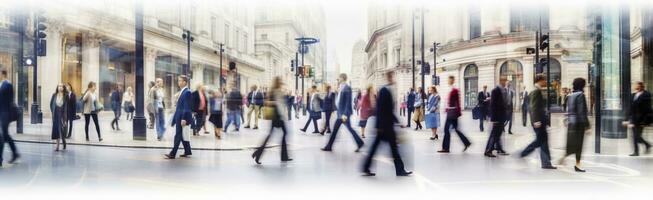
column 198, row 75
column 51, row 65
column 150, row 67
column 90, row 59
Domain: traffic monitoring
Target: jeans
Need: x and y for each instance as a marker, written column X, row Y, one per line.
column 87, row 118
column 160, row 122
column 233, row 116
column 541, row 141
column 408, row 114
column 452, row 122
column 308, row 122
column 116, row 116
column 327, row 121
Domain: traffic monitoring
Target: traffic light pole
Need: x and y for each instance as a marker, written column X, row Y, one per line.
column 303, row 107
column 435, row 60
column 413, row 48
column 36, row 115
column 296, row 71
column 220, row 78
column 422, row 47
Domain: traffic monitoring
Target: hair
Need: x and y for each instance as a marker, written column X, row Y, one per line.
column 327, row 87
column 184, row 77
column 539, row 77
column 253, row 87
column 71, row 88
column 452, row 77
column 129, row 89
column 641, row 84
column 3, row 70
column 65, row 90
column 578, row 84
column 90, row 85
column 343, row 76
column 435, row 89
column 277, row 83
column 369, row 89
column 151, row 84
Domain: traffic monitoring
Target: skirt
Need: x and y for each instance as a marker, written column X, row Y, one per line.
column 362, row 123
column 216, row 119
column 59, row 127
column 432, row 120
column 575, row 137
column 418, row 116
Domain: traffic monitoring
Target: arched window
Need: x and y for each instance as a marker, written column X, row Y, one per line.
column 471, row 85
column 512, row 71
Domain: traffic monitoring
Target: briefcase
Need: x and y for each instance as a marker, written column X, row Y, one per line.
column 476, row 113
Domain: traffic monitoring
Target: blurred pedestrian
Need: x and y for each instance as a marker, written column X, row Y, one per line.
column 385, row 122
column 483, row 104
column 183, row 117
column 366, row 104
column 215, row 103
column 639, row 115
column 432, row 117
column 275, row 108
column 150, row 106
column 539, row 121
column 8, row 114
column 91, row 108
column 328, row 106
column 234, row 109
column 453, row 113
column 59, row 110
column 71, row 109
column 199, row 109
column 344, row 101
column 499, row 115
column 159, row 105
column 578, row 124
column 511, row 102
column 410, row 104
column 419, row 108
column 128, row 103
column 314, row 109
column 116, row 107
column 524, row 105
column 255, row 100
column 290, row 101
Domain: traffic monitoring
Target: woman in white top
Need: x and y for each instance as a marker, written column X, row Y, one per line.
column 91, row 107
column 127, row 102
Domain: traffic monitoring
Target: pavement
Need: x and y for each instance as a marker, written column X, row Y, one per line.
column 225, row 170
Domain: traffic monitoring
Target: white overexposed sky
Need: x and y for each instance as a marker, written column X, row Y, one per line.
column 346, row 23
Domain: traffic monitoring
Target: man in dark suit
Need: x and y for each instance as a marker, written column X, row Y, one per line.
column 539, row 122
column 116, row 101
column 524, row 105
column 511, row 107
column 6, row 104
column 410, row 105
column 483, row 101
column 385, row 122
column 344, row 101
column 182, row 117
column 499, row 115
column 639, row 116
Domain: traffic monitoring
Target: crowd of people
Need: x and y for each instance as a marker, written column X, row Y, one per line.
column 193, row 108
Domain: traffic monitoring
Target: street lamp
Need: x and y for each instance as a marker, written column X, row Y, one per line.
column 434, row 49
column 220, row 50
column 139, row 121
column 36, row 115
column 189, row 38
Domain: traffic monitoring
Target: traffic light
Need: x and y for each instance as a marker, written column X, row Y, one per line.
column 300, row 71
column 41, row 43
column 544, row 41
column 311, row 72
column 292, row 65
column 427, row 68
column 232, row 66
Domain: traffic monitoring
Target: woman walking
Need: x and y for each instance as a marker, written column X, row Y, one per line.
column 328, row 106
column 216, row 112
column 275, row 108
column 577, row 122
column 314, row 110
column 72, row 109
column 366, row 108
column 128, row 103
column 91, row 107
column 59, row 109
column 418, row 117
column 432, row 119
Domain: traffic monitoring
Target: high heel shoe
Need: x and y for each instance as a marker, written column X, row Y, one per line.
column 578, row 169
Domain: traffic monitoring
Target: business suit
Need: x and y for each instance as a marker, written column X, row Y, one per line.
column 410, row 104
column 344, row 109
column 200, row 104
column 499, row 115
column 538, row 114
column 328, row 106
column 510, row 109
column 640, row 110
column 524, row 107
column 386, row 120
column 482, row 104
column 59, row 118
column 6, row 102
column 182, row 112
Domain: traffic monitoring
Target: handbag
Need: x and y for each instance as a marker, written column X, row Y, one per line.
column 98, row 106
column 185, row 133
column 268, row 112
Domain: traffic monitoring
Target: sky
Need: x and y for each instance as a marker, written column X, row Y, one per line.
column 346, row 23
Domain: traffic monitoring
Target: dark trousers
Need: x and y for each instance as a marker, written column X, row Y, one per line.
column 308, row 122
column 483, row 115
column 541, row 141
column 327, row 123
column 179, row 139
column 392, row 141
column 116, row 116
column 87, row 118
column 70, row 127
column 347, row 123
column 494, row 141
column 408, row 114
column 509, row 122
column 637, row 139
column 290, row 112
column 200, row 119
column 284, row 147
column 6, row 138
column 452, row 123
column 524, row 115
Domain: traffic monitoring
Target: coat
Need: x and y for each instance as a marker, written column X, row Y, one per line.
column 537, row 106
column 498, row 106
column 6, row 100
column 345, row 101
column 640, row 109
column 385, row 118
column 183, row 108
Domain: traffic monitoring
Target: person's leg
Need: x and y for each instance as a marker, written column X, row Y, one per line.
column 447, row 135
column 3, row 129
column 333, row 135
column 97, row 126
column 481, row 120
column 284, row 145
column 510, row 123
column 359, row 141
column 545, row 155
column 63, row 138
column 524, row 116
column 410, row 111
column 250, row 110
column 70, row 128
column 230, row 118
column 466, row 142
column 370, row 156
column 87, row 118
column 328, row 121
column 259, row 151
column 396, row 156
column 236, row 119
column 187, row 148
column 497, row 141
column 315, row 128
column 640, row 130
column 531, row 147
column 257, row 114
column 308, row 122
column 492, row 139
column 118, row 114
column 160, row 123
column 177, row 141
column 10, row 142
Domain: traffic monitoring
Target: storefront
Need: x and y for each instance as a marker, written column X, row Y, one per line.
column 71, row 71
column 116, row 70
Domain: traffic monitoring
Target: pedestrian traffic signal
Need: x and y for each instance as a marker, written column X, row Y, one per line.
column 300, row 71
column 40, row 35
column 311, row 72
column 292, row 65
column 544, row 41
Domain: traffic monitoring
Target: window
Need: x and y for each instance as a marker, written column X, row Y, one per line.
column 512, row 71
column 527, row 18
column 226, row 35
column 264, row 36
column 474, row 22
column 471, row 85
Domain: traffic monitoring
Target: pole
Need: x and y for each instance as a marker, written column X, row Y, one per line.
column 36, row 115
column 413, row 47
column 296, row 71
column 548, row 78
column 20, row 82
column 139, row 129
column 422, row 47
column 435, row 55
column 220, row 78
column 187, row 70
column 302, row 52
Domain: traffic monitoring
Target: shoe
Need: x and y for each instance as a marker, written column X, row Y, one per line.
column 168, row 156
column 322, row 133
column 256, row 158
column 286, row 160
column 359, row 148
column 578, row 169
column 368, row 173
column 315, row 132
column 246, row 126
column 118, row 129
column 87, row 139
column 466, row 147
column 363, row 136
column 549, row 167
column 489, row 154
column 510, row 132
column 325, row 149
column 634, row 154
column 443, row 151
column 255, row 128
column 405, row 174
column 237, row 130
column 432, row 138
column 206, row 132
column 100, row 139
column 303, row 130
column 185, row 155
column 503, row 153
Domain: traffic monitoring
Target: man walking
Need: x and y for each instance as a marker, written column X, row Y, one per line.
column 483, row 101
column 410, row 105
column 385, row 122
column 639, row 116
column 234, row 107
column 524, row 105
column 6, row 104
column 254, row 101
column 499, row 115
column 344, row 101
column 453, row 112
column 510, row 100
column 539, row 122
column 182, row 117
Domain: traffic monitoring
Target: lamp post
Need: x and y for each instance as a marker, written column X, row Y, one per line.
column 39, row 49
column 434, row 49
column 139, row 127
column 412, row 58
column 220, row 50
column 189, row 38
column 422, row 50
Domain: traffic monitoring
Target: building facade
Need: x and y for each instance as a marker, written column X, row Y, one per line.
column 358, row 66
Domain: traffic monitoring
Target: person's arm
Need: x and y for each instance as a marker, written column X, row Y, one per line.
column 534, row 105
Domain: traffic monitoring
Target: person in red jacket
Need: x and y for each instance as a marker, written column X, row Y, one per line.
column 453, row 112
